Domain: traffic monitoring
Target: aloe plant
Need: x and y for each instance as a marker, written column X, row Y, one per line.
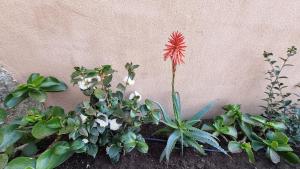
column 182, row 131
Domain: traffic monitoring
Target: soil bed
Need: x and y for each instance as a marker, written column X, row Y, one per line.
column 190, row 160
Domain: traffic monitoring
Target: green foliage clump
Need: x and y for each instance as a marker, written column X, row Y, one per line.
column 36, row 88
column 110, row 119
column 19, row 139
column 279, row 105
column 253, row 132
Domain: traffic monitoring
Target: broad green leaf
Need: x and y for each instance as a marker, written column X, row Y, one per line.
column 37, row 95
column 54, row 123
column 100, row 94
column 234, row 147
column 107, row 80
column 35, row 79
column 173, row 138
column 280, row 137
column 259, row 118
column 201, row 113
column 92, row 150
column 257, row 145
column 290, row 157
column 231, row 132
column 206, row 127
column 51, row 84
column 277, row 125
column 55, row 111
column 21, row 163
column 9, row 136
column 30, row 150
column 41, row 130
column 275, row 158
column 52, row 158
column 247, row 130
column 3, row 116
column 3, row 160
column 252, row 120
column 113, row 152
column 77, row 144
column 285, row 147
column 129, row 141
column 10, row 101
column 247, row 147
column 142, row 146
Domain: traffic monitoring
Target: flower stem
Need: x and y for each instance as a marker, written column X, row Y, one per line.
column 173, row 91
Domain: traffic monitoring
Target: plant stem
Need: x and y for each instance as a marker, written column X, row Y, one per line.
column 173, row 91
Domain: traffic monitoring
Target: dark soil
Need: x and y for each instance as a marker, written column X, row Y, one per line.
column 189, row 160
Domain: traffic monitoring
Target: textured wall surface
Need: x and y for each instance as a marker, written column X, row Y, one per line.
column 225, row 40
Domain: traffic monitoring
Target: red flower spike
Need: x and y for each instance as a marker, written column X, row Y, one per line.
column 175, row 49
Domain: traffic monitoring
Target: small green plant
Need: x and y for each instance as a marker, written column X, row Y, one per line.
column 238, row 147
column 19, row 139
column 255, row 132
column 276, row 145
column 279, row 105
column 36, row 88
column 110, row 119
column 183, row 131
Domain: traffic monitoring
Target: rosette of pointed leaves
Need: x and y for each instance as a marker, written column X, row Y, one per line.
column 36, row 88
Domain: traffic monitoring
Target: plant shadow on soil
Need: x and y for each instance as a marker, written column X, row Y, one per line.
column 189, row 160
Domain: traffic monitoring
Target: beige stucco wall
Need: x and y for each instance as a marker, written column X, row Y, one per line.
column 225, row 40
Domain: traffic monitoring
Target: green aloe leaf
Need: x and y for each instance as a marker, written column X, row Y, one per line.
column 177, row 105
column 195, row 119
column 173, row 138
column 207, row 139
column 166, row 116
column 195, row 145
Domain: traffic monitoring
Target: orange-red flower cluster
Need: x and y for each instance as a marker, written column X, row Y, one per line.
column 175, row 49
